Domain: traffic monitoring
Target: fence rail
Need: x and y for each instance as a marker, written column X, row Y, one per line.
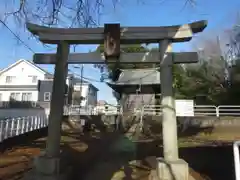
column 199, row 110
column 90, row 110
column 236, row 159
column 11, row 127
column 17, row 126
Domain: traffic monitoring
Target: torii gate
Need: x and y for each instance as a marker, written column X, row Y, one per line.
column 112, row 35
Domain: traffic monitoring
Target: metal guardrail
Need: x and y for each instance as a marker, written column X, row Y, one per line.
column 199, row 110
column 99, row 110
column 229, row 110
column 206, row 110
column 17, row 126
column 77, row 110
column 236, row 159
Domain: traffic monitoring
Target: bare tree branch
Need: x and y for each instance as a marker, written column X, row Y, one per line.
column 70, row 13
column 54, row 12
column 57, row 13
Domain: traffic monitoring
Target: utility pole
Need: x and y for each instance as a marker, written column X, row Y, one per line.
column 81, row 82
column 219, row 45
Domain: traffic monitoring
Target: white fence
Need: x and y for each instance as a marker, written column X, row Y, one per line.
column 17, row 126
column 77, row 110
column 90, row 110
column 199, row 110
column 236, row 159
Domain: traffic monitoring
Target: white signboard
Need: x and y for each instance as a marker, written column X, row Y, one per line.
column 83, row 122
column 184, row 107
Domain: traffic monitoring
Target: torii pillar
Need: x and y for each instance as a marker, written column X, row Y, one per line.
column 169, row 123
column 170, row 167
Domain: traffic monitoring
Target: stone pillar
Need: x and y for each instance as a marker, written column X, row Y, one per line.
column 169, row 122
column 48, row 165
column 57, row 101
column 170, row 167
column 123, row 105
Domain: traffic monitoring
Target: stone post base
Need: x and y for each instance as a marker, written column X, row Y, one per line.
column 172, row 170
column 34, row 175
column 48, row 168
column 153, row 175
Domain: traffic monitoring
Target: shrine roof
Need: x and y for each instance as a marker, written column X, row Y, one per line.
column 138, row 77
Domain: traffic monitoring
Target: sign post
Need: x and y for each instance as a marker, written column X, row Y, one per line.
column 184, row 108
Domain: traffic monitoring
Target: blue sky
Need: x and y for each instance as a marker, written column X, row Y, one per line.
column 221, row 14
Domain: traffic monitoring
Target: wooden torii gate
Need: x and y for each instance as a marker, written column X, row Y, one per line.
column 112, row 35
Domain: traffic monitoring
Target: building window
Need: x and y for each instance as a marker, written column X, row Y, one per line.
column 26, row 96
column 15, row 96
column 47, row 96
column 34, row 79
column 10, row 79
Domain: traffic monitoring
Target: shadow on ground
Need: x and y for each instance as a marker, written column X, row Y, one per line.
column 15, row 157
column 213, row 163
column 23, row 139
column 108, row 152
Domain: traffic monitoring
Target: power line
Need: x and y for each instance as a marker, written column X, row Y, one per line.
column 16, row 36
column 87, row 78
column 126, row 81
column 93, row 80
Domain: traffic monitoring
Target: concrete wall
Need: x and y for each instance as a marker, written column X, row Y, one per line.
column 210, row 121
column 5, row 113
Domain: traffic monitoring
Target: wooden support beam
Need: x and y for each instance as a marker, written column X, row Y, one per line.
column 125, row 58
column 129, row 35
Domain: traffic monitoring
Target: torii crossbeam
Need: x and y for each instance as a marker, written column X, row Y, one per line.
column 128, row 35
column 125, row 58
column 112, row 35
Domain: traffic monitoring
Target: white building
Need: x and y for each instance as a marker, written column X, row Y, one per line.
column 87, row 91
column 104, row 108
column 25, row 81
column 19, row 81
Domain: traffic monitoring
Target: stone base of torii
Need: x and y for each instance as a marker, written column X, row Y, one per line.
column 49, row 165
